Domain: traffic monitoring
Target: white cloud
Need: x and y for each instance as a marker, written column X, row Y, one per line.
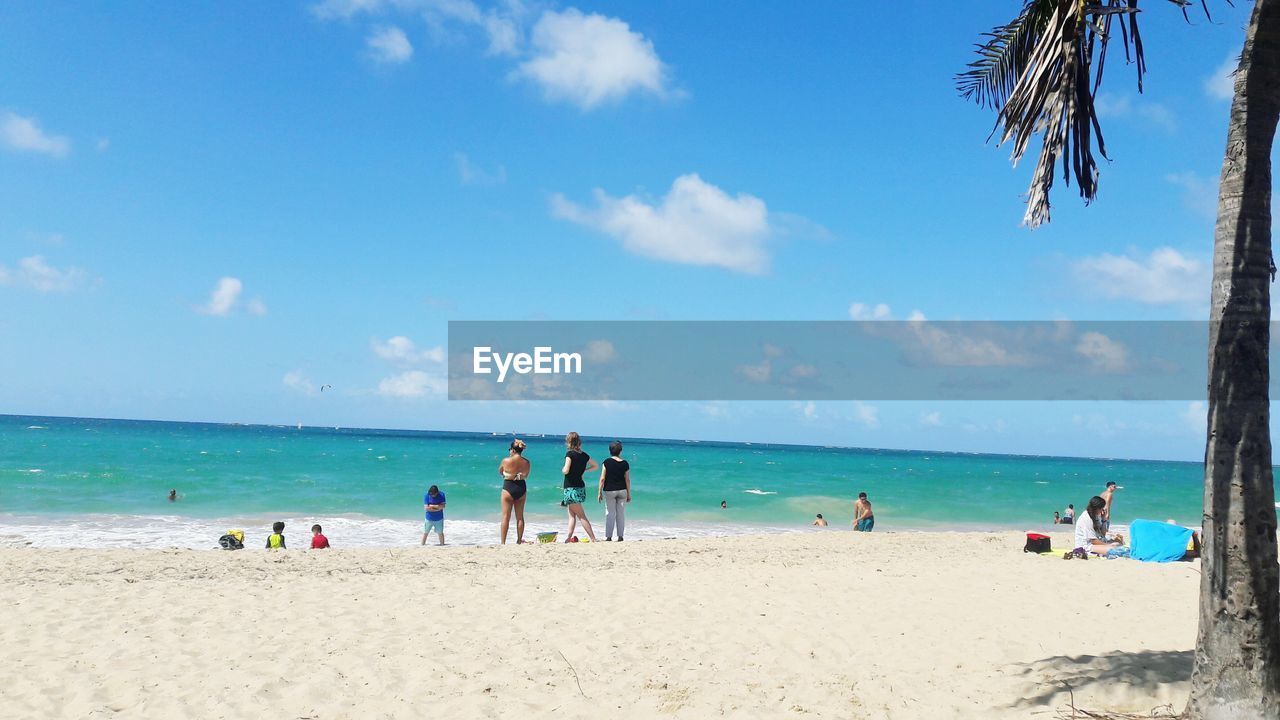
column 501, row 25
column 295, row 380
column 758, row 373
column 471, row 174
column 1105, row 354
column 695, row 224
column 718, row 409
column 591, row 59
column 931, row 419
column 1199, row 194
column 345, row 9
column 389, row 45
column 36, row 273
column 412, row 384
column 866, row 415
column 861, row 311
column 400, row 350
column 223, row 297
column 803, row 372
column 1166, row 276
column 939, row 345
column 1121, row 106
column 1221, row 84
column 599, row 351
column 1196, row 416
column 23, row 134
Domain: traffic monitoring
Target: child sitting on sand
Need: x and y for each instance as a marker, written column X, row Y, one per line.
column 318, row 540
column 275, row 541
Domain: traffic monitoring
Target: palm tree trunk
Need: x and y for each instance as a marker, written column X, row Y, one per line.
column 1237, row 661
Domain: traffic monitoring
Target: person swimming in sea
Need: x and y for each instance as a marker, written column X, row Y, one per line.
column 173, row 496
column 819, row 521
column 724, row 504
column 514, row 470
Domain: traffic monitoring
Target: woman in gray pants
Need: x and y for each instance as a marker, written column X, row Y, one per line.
column 615, row 491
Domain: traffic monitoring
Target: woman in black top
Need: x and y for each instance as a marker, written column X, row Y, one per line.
column 576, row 463
column 615, row 491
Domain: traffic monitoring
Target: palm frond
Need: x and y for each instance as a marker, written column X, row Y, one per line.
column 991, row 76
column 1041, row 72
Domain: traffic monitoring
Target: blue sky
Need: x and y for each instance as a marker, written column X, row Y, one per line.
column 211, row 211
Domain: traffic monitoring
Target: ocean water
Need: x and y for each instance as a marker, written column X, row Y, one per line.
column 69, row 482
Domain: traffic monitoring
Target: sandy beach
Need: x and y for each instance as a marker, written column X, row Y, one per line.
column 829, row 624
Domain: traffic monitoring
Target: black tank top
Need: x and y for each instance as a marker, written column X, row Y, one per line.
column 615, row 474
column 577, row 466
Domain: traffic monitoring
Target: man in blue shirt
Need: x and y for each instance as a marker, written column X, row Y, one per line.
column 433, row 503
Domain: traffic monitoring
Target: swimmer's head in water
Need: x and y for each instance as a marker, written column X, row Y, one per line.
column 819, row 516
column 724, row 503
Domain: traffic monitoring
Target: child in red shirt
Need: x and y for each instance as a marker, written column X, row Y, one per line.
column 318, row 541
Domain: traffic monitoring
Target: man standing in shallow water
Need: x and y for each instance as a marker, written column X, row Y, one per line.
column 863, row 519
column 1106, row 496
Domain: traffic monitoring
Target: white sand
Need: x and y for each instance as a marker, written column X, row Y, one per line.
column 820, row 625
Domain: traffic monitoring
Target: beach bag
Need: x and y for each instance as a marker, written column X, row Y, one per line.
column 1037, row 543
column 233, row 540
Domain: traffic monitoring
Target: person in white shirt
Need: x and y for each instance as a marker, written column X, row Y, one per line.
column 1090, row 534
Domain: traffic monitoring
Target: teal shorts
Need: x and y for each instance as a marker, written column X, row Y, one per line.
column 429, row 525
column 575, row 495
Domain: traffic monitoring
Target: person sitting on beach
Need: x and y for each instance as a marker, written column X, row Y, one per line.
column 863, row 518
column 576, row 462
column 819, row 521
column 614, row 491
column 318, row 540
column 275, row 541
column 514, row 470
column 433, row 503
column 1090, row 534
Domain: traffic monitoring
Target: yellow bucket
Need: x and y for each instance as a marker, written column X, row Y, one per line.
column 547, row 537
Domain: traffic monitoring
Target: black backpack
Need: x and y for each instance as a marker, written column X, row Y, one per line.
column 1037, row 543
column 229, row 542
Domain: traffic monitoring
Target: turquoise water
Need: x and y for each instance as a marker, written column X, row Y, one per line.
column 76, row 479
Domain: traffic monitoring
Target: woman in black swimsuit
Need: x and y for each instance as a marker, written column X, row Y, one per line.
column 514, row 470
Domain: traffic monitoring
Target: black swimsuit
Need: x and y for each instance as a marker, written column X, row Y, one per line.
column 514, row 486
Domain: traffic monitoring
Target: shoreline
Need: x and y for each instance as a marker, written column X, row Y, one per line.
column 825, row 625
column 90, row 531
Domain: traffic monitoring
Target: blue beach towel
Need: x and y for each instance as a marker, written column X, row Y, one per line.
column 1153, row 541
